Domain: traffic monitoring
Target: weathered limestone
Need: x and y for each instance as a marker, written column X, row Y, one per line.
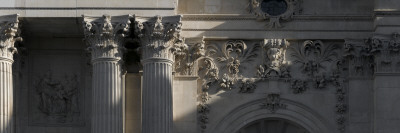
column 104, row 37
column 8, row 36
column 161, row 41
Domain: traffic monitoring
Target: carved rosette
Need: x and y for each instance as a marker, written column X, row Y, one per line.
column 160, row 37
column 9, row 34
column 293, row 7
column 386, row 50
column 105, row 35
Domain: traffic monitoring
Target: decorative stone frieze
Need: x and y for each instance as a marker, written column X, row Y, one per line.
column 274, row 11
column 105, row 38
column 9, row 34
column 160, row 43
column 386, row 50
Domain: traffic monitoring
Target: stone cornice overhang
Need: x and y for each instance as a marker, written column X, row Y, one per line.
column 300, row 27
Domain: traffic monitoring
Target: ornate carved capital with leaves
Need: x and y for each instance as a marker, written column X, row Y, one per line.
column 9, row 34
column 105, row 35
column 386, row 50
column 160, row 37
column 358, row 54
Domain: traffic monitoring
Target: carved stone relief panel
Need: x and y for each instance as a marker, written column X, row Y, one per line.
column 57, row 88
column 279, row 66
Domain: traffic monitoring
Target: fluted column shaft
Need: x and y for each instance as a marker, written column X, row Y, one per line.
column 157, row 96
column 6, row 96
column 107, row 94
column 9, row 33
column 161, row 41
column 104, row 36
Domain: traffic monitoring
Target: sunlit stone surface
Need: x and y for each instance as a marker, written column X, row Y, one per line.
column 199, row 66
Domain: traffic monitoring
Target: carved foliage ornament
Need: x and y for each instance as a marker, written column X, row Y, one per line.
column 160, row 37
column 105, row 34
column 358, row 54
column 273, row 103
column 9, row 34
column 386, row 50
column 186, row 64
column 312, row 55
column 274, row 10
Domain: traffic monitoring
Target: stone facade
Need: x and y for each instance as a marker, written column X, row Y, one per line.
column 199, row 66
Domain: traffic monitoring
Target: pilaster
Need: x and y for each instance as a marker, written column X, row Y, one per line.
column 9, row 32
column 386, row 51
column 104, row 37
column 160, row 43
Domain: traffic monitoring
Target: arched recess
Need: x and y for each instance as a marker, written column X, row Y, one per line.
column 294, row 112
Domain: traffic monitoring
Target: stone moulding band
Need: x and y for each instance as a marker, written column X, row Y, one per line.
column 85, row 8
column 2, row 59
column 154, row 59
column 105, row 59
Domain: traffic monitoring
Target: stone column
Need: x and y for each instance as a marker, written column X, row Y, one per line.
column 160, row 42
column 8, row 32
column 104, row 36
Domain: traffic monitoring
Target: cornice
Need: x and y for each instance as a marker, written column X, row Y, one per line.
column 245, row 17
column 386, row 13
column 85, row 8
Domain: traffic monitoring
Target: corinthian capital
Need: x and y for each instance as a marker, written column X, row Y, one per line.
column 105, row 35
column 386, row 49
column 9, row 32
column 160, row 36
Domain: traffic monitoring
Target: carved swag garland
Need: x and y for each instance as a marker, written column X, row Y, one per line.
column 313, row 58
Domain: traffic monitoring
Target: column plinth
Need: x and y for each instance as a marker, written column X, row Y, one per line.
column 104, row 37
column 8, row 32
column 160, row 42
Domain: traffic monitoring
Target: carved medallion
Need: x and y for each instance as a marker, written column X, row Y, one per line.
column 274, row 10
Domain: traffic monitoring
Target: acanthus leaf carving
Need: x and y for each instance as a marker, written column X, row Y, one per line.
column 9, row 34
column 186, row 63
column 386, row 52
column 312, row 54
column 358, row 54
column 105, row 35
column 160, row 37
